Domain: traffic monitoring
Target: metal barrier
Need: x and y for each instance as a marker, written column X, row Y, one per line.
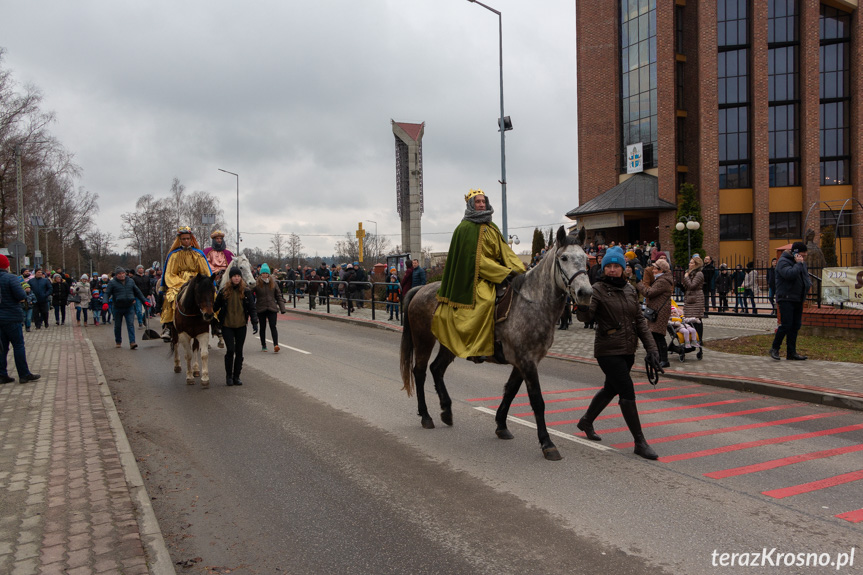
column 341, row 291
column 735, row 299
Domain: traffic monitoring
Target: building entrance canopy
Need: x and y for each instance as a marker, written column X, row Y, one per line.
column 637, row 193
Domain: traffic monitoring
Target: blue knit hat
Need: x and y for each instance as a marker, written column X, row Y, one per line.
column 265, row 269
column 613, row 256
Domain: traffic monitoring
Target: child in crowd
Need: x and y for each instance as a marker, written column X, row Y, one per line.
column 685, row 327
column 96, row 305
column 27, row 306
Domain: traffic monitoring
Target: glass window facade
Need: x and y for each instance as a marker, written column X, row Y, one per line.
column 831, row 218
column 733, row 84
column 638, row 76
column 783, row 71
column 835, row 81
column 785, row 226
column 735, row 227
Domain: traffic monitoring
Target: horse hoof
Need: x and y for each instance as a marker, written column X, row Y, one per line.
column 196, row 374
column 427, row 423
column 446, row 417
column 504, row 434
column 177, row 369
column 190, row 382
column 552, row 454
column 205, row 383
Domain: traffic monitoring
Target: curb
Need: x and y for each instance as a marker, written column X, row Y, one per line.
column 159, row 560
column 783, row 390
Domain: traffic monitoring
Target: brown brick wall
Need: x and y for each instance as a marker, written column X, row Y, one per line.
column 708, row 120
column 598, row 68
column 857, row 130
column 810, row 112
column 759, row 127
column 666, row 115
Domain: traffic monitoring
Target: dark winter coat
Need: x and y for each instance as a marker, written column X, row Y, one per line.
column 123, row 293
column 143, row 283
column 658, row 297
column 419, row 278
column 723, row 282
column 248, row 305
column 619, row 321
column 408, row 278
column 41, row 288
column 268, row 297
column 792, row 278
column 693, row 297
column 59, row 293
column 11, row 296
column 709, row 271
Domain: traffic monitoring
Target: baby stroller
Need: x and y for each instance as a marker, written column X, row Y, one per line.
column 677, row 325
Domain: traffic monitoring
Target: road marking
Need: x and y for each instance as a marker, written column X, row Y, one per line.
column 640, row 401
column 759, row 443
column 649, row 411
column 852, row 516
column 782, row 462
column 815, row 485
column 291, row 348
column 747, row 427
column 585, row 442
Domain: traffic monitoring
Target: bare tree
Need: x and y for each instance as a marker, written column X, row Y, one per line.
column 295, row 249
column 348, row 248
column 280, row 246
column 100, row 244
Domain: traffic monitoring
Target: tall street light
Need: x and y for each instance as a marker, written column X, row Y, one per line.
column 238, row 205
column 504, row 123
column 688, row 223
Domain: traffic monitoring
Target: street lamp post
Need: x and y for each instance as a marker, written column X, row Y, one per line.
column 504, row 122
column 238, row 205
column 688, row 223
column 513, row 239
column 376, row 238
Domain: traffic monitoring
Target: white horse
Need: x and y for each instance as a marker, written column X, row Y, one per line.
column 241, row 262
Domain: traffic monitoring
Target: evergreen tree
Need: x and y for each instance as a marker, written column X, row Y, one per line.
column 537, row 243
column 688, row 205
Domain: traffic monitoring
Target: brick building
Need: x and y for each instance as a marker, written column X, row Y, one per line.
column 757, row 103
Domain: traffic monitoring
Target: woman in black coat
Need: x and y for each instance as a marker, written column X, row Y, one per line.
column 235, row 306
column 59, row 298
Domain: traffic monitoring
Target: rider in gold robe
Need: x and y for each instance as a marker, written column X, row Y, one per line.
column 185, row 260
column 479, row 258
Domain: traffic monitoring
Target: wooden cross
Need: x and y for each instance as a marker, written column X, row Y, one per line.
column 361, row 233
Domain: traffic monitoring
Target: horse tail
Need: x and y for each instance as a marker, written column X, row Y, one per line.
column 407, row 347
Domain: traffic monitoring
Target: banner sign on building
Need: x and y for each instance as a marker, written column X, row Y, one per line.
column 842, row 285
column 600, row 221
column 635, row 158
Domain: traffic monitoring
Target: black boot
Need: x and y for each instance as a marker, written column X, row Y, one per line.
column 237, row 378
column 630, row 415
column 229, row 381
column 599, row 402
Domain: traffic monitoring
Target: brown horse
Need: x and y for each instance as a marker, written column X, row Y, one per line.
column 193, row 312
column 526, row 335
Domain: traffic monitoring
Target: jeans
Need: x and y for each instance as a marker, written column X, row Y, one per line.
column 60, row 313
column 11, row 333
column 235, row 338
column 129, row 314
column 771, row 295
column 749, row 293
column 739, row 301
column 78, row 311
column 791, row 317
column 28, row 317
column 139, row 312
column 263, row 318
column 617, row 379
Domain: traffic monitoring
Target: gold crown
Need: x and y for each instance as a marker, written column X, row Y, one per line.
column 217, row 233
column 473, row 193
column 184, row 230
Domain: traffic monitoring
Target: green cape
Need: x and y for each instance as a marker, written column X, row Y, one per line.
column 462, row 265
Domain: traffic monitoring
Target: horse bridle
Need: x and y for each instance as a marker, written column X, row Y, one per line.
column 183, row 293
column 567, row 281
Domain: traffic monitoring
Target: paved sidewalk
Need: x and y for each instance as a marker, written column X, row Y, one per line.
column 72, row 500
column 826, row 382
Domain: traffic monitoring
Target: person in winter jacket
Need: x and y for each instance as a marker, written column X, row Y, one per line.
column 792, row 285
column 27, row 305
column 41, row 287
column 723, row 286
column 141, row 280
column 393, row 294
column 268, row 302
column 750, row 285
column 737, row 281
column 59, row 298
column 593, row 275
column 657, row 288
column 11, row 318
column 123, row 291
column 235, row 306
column 96, row 304
column 771, row 285
column 82, row 290
column 709, row 288
column 620, row 324
column 693, row 297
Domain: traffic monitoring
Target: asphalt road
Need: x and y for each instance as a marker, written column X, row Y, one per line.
column 318, row 464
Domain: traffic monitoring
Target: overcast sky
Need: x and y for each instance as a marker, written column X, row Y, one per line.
column 297, row 98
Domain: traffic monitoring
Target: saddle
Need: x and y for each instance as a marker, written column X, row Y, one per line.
column 503, row 300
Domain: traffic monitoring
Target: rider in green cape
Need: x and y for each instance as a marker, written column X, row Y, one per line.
column 479, row 258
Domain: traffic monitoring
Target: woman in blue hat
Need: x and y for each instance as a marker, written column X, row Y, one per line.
column 268, row 302
column 619, row 325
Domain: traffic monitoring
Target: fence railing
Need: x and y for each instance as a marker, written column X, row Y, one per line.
column 347, row 294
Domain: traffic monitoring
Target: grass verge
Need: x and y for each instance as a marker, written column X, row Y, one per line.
column 824, row 348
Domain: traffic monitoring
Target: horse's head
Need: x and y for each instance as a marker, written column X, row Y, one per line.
column 571, row 263
column 205, row 294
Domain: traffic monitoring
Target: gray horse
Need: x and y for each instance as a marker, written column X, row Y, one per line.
column 526, row 335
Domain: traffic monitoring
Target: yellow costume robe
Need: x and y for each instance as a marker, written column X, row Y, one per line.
column 468, row 331
column 182, row 266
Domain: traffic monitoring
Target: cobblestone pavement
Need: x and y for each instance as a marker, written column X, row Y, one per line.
column 827, row 382
column 71, row 496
